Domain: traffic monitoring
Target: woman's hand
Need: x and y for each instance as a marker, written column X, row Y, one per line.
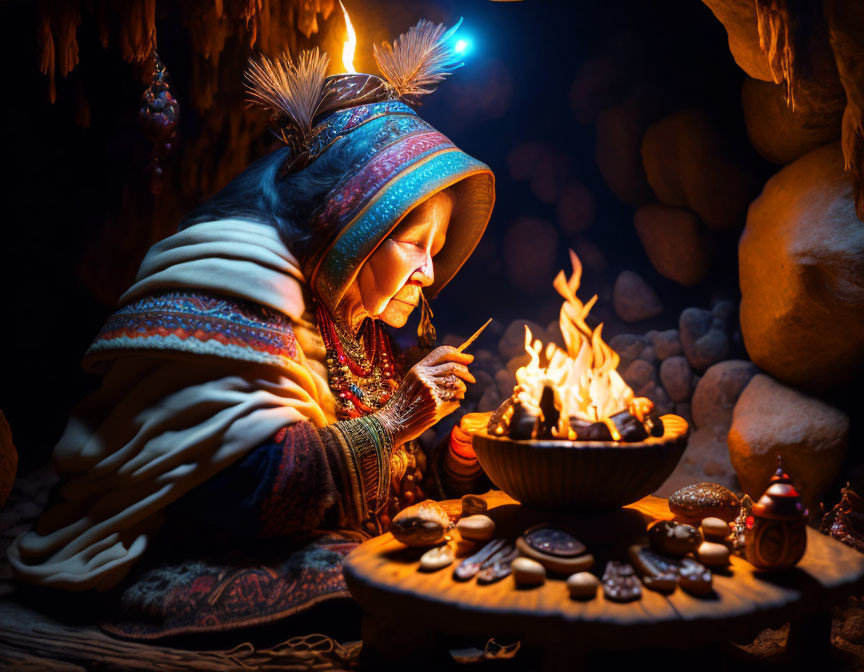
column 430, row 391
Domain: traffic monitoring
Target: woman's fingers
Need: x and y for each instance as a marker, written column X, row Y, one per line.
column 447, row 353
column 452, row 369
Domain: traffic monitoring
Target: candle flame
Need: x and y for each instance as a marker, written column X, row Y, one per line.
column 350, row 44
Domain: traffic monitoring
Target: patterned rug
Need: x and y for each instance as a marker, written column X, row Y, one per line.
column 260, row 582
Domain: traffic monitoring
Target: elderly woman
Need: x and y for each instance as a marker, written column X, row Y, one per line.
column 248, row 386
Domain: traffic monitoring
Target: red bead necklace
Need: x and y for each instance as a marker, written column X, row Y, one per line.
column 360, row 387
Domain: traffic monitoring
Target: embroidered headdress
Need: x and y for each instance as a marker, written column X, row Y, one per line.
column 407, row 159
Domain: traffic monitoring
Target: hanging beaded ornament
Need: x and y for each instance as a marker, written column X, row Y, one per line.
column 158, row 116
column 362, row 370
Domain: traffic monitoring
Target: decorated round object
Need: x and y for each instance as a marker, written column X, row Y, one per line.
column 553, row 541
column 703, row 500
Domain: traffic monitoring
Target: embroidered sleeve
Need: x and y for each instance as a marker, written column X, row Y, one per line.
column 306, row 478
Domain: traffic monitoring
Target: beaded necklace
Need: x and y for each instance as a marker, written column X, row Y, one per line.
column 362, row 371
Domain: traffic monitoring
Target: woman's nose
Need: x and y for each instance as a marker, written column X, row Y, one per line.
column 425, row 275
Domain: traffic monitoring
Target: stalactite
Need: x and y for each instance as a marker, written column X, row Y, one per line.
column 846, row 29
column 57, row 42
column 776, row 22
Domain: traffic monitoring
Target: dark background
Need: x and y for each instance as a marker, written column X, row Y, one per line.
column 76, row 196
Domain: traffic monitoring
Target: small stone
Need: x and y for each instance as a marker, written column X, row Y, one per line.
column 704, row 500
column 704, row 344
column 718, row 390
column 648, row 354
column 674, row 241
column 724, row 309
column 666, row 344
column 528, row 572
column 490, row 400
column 628, row 347
column 476, row 528
column 512, row 343
column 472, row 505
column 715, row 529
column 553, row 563
column 437, row 558
column 712, row 554
column 505, row 381
column 475, row 391
column 633, row 298
column 639, row 374
column 583, row 586
column 620, row 583
column 669, row 537
column 675, row 374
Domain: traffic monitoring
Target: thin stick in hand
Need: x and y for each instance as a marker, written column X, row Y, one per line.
column 473, row 336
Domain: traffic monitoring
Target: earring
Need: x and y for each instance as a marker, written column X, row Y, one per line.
column 426, row 335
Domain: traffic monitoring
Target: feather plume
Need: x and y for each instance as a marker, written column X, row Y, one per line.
column 293, row 90
column 419, row 59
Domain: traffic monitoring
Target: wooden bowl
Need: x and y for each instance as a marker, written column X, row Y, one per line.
column 581, row 475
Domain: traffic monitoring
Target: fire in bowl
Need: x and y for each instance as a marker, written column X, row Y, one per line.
column 568, row 475
column 573, row 436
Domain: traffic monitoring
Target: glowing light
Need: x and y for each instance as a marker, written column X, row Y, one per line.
column 350, row 44
column 462, row 46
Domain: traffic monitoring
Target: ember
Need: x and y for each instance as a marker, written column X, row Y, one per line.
column 576, row 392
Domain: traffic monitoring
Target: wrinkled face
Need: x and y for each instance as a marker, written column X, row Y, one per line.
column 391, row 279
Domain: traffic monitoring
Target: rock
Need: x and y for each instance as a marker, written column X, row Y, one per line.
column 628, row 347
column 718, row 391
column 724, row 310
column 689, row 165
column 739, row 19
column 666, row 343
column 505, row 381
column 712, row 554
column 484, row 380
column 437, row 558
column 657, row 394
column 705, row 458
column 771, row 419
column 473, row 504
column 702, row 338
column 782, row 135
column 801, row 271
column 633, row 298
column 639, row 374
column 648, row 354
column 683, row 409
column 675, row 374
column 582, row 585
column 618, row 138
column 512, row 343
column 674, row 243
column 490, row 400
column 715, row 529
column 516, row 363
column 669, row 537
column 528, row 572
column 576, row 208
column 698, row 501
column 476, row 528
column 454, row 340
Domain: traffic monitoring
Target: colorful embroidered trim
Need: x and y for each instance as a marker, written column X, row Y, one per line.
column 200, row 323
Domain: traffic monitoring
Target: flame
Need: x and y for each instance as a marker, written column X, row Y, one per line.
column 350, row 44
column 583, row 376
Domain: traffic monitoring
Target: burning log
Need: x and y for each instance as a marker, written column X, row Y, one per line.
column 574, row 393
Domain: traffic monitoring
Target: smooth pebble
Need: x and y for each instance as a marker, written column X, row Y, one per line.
column 472, row 505
column 528, row 572
column 477, row 527
column 715, row 529
column 436, row 558
column 583, row 586
column 712, row 554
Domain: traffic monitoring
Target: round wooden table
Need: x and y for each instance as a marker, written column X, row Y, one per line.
column 407, row 611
